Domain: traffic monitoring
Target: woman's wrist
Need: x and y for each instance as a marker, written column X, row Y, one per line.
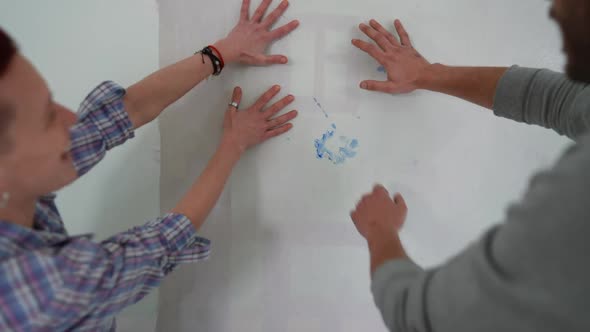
column 227, row 52
column 229, row 147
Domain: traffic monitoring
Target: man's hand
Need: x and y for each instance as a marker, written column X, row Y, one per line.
column 379, row 214
column 378, row 218
column 256, row 124
column 404, row 65
column 248, row 41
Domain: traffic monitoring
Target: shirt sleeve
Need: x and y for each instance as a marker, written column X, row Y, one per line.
column 526, row 274
column 545, row 98
column 80, row 279
column 103, row 123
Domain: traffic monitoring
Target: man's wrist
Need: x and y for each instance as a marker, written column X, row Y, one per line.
column 429, row 76
column 384, row 248
column 380, row 238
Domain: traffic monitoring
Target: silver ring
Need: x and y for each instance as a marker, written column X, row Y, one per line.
column 234, row 104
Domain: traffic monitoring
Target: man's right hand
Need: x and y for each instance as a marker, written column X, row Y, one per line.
column 403, row 64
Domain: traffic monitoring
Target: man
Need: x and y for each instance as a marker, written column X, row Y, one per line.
column 531, row 272
column 50, row 281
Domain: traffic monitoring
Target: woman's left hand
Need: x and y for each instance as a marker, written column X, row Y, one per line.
column 245, row 128
column 247, row 43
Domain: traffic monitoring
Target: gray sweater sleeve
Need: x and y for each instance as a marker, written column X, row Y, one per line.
column 529, row 273
column 545, row 98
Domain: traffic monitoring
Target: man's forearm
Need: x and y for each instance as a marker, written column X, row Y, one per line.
column 203, row 195
column 474, row 84
column 383, row 248
column 146, row 99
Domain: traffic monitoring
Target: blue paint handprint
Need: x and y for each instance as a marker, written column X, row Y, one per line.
column 345, row 147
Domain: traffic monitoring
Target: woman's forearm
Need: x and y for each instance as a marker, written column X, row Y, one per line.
column 146, row 99
column 203, row 195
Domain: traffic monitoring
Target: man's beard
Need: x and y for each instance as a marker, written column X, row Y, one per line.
column 578, row 67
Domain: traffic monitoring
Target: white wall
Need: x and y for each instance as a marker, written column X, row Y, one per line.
column 76, row 45
column 286, row 256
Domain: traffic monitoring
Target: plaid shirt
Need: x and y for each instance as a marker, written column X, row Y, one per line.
column 50, row 281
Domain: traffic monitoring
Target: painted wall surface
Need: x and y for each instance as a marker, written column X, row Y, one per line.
column 76, row 45
column 286, row 256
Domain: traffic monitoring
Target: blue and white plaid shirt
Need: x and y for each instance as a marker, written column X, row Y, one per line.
column 50, row 281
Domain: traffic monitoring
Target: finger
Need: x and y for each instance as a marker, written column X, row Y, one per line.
column 403, row 34
column 245, row 10
column 390, row 37
column 259, row 13
column 281, row 120
column 371, row 49
column 379, row 38
column 274, row 16
column 278, row 131
column 236, row 98
column 273, row 60
column 399, row 200
column 284, row 30
column 265, row 98
column 382, row 86
column 380, row 190
column 277, row 107
column 365, row 198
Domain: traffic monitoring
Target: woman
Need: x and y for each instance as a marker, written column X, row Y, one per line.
column 53, row 282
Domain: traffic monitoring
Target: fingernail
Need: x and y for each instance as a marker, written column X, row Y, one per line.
column 291, row 97
column 277, row 87
column 363, row 85
column 362, row 26
column 283, row 60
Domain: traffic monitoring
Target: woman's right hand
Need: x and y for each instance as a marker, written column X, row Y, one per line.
column 249, row 40
column 403, row 64
column 256, row 124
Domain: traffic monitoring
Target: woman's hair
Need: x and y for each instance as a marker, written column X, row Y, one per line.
column 7, row 52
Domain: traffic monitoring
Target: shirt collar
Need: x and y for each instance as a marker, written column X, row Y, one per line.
column 28, row 238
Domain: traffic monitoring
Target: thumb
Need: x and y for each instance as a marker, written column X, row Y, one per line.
column 399, row 200
column 274, row 60
column 382, row 86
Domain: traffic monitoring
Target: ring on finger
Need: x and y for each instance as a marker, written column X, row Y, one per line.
column 234, row 104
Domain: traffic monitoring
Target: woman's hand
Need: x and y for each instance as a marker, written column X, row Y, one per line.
column 404, row 65
column 245, row 128
column 249, row 40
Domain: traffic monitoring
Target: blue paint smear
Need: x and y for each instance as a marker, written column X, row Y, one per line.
column 345, row 150
column 381, row 69
column 317, row 103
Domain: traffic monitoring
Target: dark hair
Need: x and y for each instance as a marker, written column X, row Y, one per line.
column 7, row 52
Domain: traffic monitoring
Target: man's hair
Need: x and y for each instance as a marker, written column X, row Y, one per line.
column 7, row 52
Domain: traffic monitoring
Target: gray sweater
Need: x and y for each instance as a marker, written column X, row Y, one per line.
column 532, row 272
